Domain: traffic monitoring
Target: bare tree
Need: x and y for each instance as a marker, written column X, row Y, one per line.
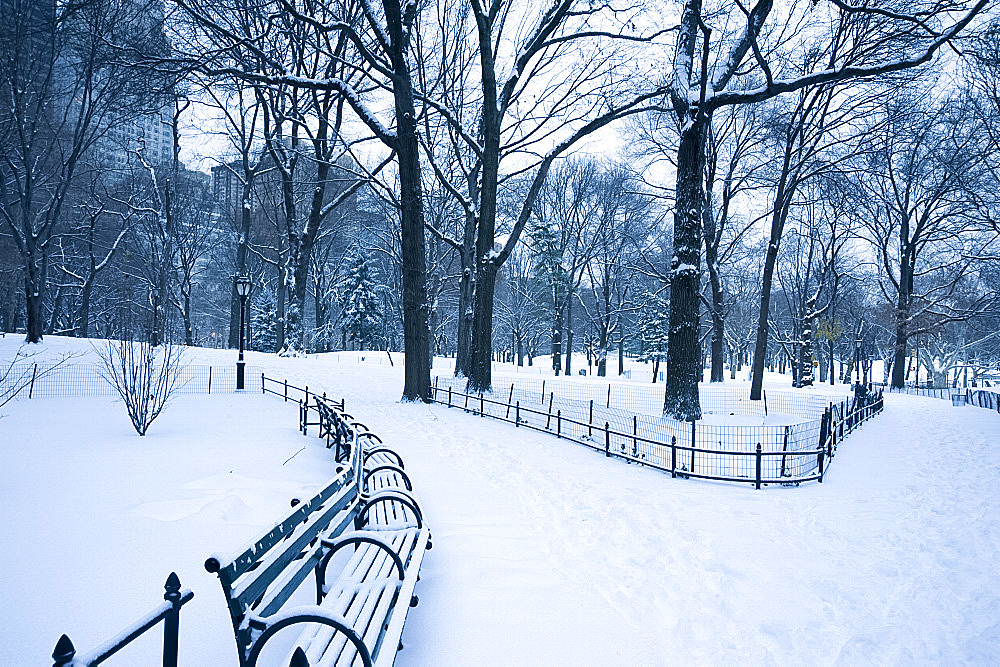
column 921, row 218
column 746, row 66
column 341, row 54
column 68, row 71
column 144, row 376
column 535, row 88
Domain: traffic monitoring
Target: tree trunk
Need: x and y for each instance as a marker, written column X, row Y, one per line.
column 480, row 377
column 466, row 296
column 158, row 332
column 557, row 342
column 282, row 307
column 902, row 315
column 569, row 335
column 416, row 327
column 718, row 315
column 188, row 331
column 684, row 368
column 56, row 308
column 602, row 349
column 33, row 294
column 83, row 312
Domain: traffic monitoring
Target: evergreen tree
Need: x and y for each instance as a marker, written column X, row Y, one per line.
column 549, row 268
column 264, row 323
column 359, row 301
column 654, row 327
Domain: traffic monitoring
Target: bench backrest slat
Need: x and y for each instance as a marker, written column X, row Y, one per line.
column 254, row 585
column 250, row 557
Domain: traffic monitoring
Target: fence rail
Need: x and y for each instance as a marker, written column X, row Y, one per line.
column 168, row 612
column 787, row 454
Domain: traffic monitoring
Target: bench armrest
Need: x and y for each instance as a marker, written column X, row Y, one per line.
column 391, row 495
column 281, row 620
column 388, row 466
column 355, row 537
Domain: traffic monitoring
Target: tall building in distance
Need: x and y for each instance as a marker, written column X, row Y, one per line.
column 148, row 131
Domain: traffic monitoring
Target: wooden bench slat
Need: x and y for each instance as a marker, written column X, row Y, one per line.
column 249, row 589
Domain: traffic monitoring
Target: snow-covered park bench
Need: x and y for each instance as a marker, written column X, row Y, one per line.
column 361, row 597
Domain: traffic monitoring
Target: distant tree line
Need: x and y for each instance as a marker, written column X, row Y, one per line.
column 807, row 192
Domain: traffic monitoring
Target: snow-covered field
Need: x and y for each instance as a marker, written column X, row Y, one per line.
column 544, row 552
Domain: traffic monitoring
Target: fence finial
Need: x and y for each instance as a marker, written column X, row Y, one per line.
column 64, row 651
column 172, row 588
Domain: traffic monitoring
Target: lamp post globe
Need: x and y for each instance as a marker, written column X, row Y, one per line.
column 242, row 283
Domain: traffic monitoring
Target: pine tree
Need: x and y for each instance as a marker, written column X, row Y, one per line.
column 548, row 259
column 654, row 327
column 359, row 303
column 264, row 323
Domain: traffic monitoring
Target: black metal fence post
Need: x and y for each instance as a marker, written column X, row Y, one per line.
column 286, row 390
column 262, row 390
column 590, row 420
column 517, row 414
column 480, row 404
column 543, row 392
column 784, row 448
column 34, row 373
column 559, row 423
column 171, row 622
column 509, row 399
column 694, row 439
column 759, row 457
column 635, row 432
column 209, row 379
column 673, row 456
column 607, row 439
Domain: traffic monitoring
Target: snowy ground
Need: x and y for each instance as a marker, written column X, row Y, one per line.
column 544, row 552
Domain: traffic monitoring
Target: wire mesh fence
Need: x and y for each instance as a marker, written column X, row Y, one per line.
column 981, row 398
column 27, row 381
column 942, row 393
column 760, row 454
column 647, row 399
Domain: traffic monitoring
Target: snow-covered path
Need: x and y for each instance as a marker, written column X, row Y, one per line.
column 546, row 552
column 594, row 561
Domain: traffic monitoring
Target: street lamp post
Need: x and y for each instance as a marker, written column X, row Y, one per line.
column 243, row 291
column 857, row 360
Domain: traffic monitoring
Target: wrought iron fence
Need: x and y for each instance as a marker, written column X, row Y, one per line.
column 981, row 398
column 647, row 399
column 168, row 612
column 764, row 454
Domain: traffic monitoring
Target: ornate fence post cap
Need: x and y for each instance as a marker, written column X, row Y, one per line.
column 299, row 658
column 172, row 588
column 64, row 651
